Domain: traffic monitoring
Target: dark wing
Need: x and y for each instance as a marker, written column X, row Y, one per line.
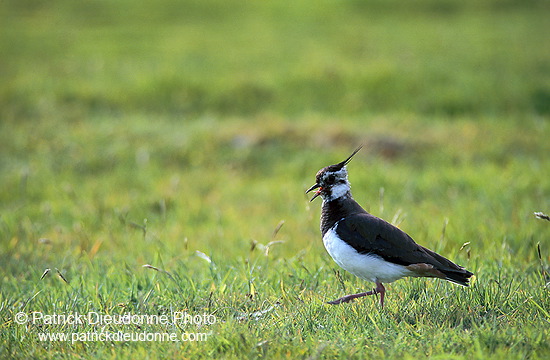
column 371, row 235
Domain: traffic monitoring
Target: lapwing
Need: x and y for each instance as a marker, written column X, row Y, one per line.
column 369, row 247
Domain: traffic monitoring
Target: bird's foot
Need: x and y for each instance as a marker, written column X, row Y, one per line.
column 348, row 298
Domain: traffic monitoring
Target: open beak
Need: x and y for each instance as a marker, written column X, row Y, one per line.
column 317, row 193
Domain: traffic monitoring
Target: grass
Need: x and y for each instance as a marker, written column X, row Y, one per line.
column 183, row 136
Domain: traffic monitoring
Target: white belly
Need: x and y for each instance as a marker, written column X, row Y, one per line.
column 365, row 266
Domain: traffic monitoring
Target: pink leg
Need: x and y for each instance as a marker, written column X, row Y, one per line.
column 380, row 289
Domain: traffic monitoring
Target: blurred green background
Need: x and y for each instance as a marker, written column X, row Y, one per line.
column 189, row 58
column 117, row 101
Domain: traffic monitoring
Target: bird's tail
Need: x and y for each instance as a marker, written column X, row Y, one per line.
column 453, row 272
column 461, row 276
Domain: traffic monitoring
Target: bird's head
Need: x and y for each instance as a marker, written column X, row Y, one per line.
column 331, row 182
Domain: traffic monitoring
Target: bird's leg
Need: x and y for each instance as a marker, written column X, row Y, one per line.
column 378, row 290
column 348, row 298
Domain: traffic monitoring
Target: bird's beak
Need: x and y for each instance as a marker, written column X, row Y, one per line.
column 317, row 193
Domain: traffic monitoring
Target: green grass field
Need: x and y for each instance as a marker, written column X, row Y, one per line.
column 181, row 135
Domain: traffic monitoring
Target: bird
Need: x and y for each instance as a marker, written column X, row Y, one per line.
column 369, row 247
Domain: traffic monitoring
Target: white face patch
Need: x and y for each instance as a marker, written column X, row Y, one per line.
column 337, row 187
column 341, row 174
column 337, row 191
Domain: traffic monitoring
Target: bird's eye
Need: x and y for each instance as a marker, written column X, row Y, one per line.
column 330, row 178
